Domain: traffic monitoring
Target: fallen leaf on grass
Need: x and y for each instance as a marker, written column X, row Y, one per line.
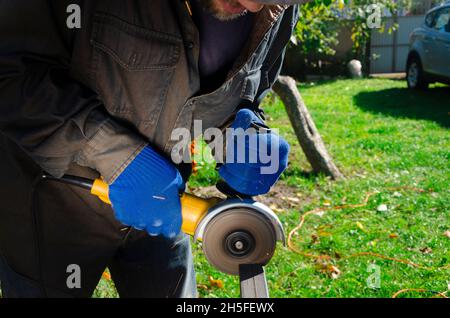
column 393, row 235
column 324, row 265
column 426, row 250
column 360, row 226
column 106, row 275
column 323, row 233
column 335, row 272
column 323, row 261
column 216, row 282
column 320, row 213
column 296, row 200
column 274, row 208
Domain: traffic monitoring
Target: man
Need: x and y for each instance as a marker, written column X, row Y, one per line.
column 100, row 96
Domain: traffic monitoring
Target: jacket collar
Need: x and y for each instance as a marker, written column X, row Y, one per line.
column 264, row 21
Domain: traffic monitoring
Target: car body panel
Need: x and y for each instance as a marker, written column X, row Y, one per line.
column 431, row 43
column 423, row 45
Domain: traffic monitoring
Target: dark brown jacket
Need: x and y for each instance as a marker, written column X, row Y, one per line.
column 95, row 96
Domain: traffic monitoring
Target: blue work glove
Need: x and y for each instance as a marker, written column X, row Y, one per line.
column 146, row 195
column 266, row 156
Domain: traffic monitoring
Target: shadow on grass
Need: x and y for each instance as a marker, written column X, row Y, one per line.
column 305, row 174
column 433, row 104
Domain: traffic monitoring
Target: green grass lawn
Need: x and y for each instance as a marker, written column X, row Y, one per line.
column 381, row 135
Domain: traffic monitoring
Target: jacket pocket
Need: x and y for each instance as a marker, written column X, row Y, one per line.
column 133, row 68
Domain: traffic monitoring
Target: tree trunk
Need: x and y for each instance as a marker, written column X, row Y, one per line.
column 305, row 129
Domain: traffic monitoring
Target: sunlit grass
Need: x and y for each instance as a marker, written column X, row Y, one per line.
column 381, row 135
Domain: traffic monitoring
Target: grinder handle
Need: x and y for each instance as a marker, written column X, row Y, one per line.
column 193, row 208
column 101, row 189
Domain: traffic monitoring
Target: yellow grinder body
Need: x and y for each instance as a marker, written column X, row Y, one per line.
column 193, row 208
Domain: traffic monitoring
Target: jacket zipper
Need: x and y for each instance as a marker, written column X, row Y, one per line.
column 188, row 6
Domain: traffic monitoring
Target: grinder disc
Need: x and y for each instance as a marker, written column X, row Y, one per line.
column 238, row 236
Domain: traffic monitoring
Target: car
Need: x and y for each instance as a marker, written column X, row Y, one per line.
column 429, row 54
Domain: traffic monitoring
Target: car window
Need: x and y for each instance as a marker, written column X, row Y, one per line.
column 429, row 20
column 447, row 27
column 442, row 20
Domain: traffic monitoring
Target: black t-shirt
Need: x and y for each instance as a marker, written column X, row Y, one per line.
column 221, row 43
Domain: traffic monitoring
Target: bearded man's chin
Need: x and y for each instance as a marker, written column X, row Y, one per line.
column 211, row 7
column 228, row 17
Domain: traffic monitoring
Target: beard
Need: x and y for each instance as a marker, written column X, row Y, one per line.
column 213, row 7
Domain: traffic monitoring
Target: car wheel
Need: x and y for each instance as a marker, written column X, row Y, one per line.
column 415, row 75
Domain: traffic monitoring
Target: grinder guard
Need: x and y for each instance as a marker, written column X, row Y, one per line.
column 247, row 204
column 238, row 232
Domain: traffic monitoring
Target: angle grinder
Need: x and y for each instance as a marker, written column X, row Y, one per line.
column 234, row 232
